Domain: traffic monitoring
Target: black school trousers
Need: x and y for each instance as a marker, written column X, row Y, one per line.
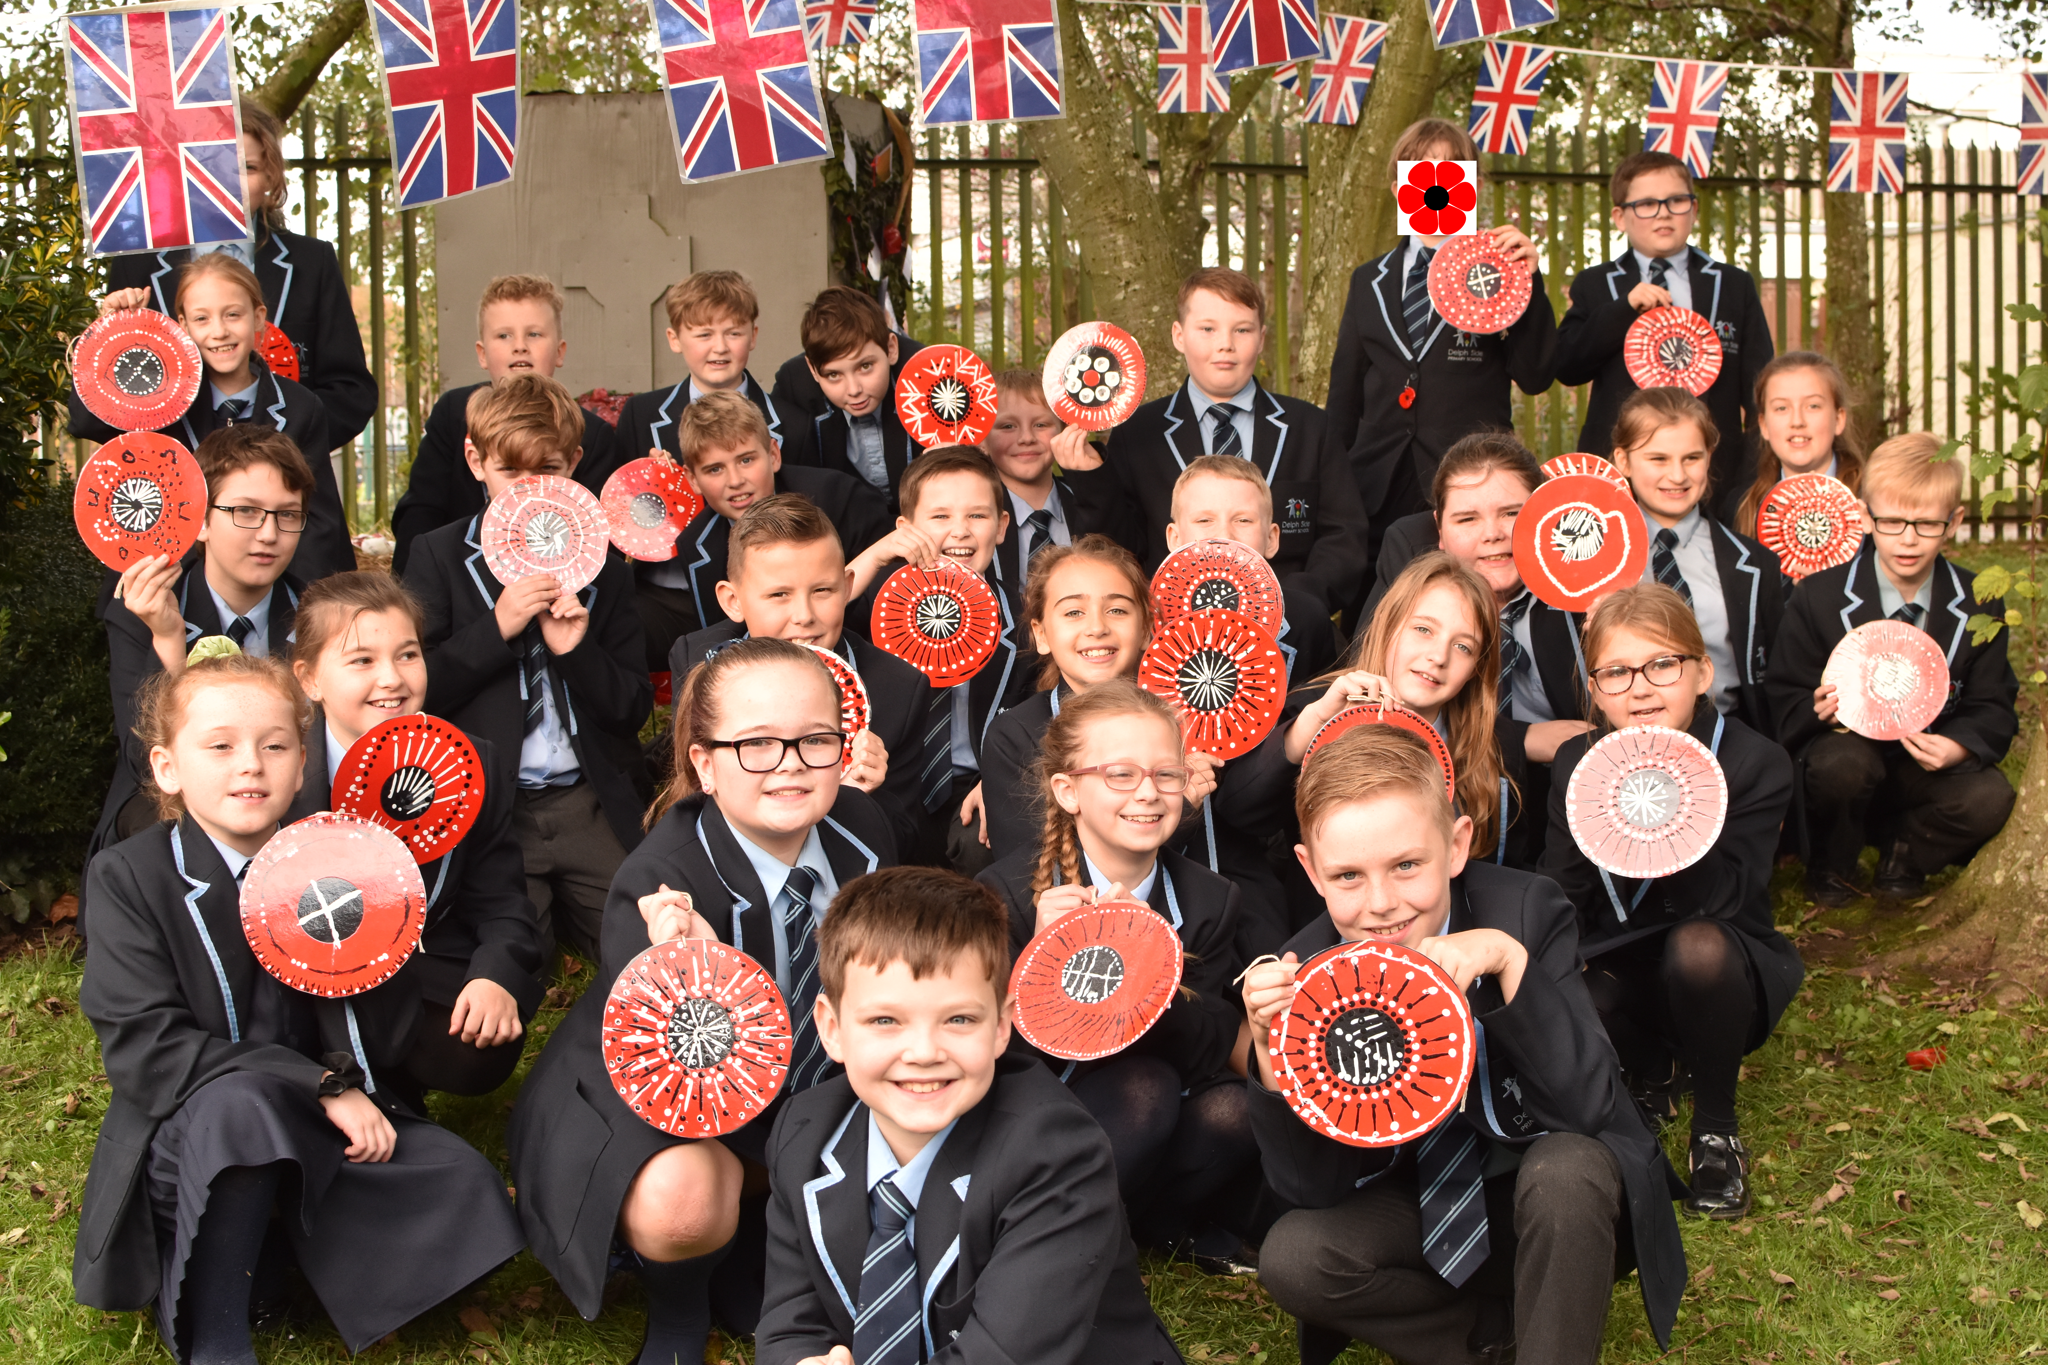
column 1865, row 791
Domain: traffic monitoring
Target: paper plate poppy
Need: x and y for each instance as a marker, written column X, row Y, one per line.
column 1095, row 376
column 418, row 777
column 333, row 905
column 1218, row 575
column 1096, row 980
column 1578, row 462
column 139, row 495
column 1672, row 347
column 1646, row 802
column 647, row 502
column 946, row 396
column 696, row 1038
column 1222, row 675
column 942, row 621
column 1438, row 198
column 853, row 698
column 136, row 370
column 279, row 355
column 1810, row 522
column 1475, row 287
column 1891, row 680
column 1578, row 538
column 545, row 524
column 1401, row 718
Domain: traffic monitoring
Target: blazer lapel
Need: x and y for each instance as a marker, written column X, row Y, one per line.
column 1560, row 660
column 213, row 903
column 849, row 857
column 1389, row 296
column 939, row 1208
column 163, row 279
column 274, row 255
column 987, row 689
column 1174, row 421
column 672, row 404
column 1622, row 274
column 1860, row 602
column 195, row 604
column 284, row 611
column 836, row 1208
column 753, row 390
column 1951, row 608
column 1706, row 268
column 1269, row 432
column 707, row 558
column 750, row 922
column 1741, row 584
column 486, row 584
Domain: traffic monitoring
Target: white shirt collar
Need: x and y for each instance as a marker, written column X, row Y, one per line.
column 910, row 1176
column 1678, row 260
column 259, row 616
column 774, row 873
column 235, row 861
column 1241, row 400
column 249, row 393
column 336, row 751
column 1141, row 892
column 1688, row 525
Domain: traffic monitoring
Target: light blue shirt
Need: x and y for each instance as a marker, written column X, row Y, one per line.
column 882, row 1164
column 547, row 758
column 1695, row 555
column 1527, row 701
column 247, row 395
column 239, row 250
column 1889, row 599
column 864, row 448
column 1679, row 282
column 1141, row 892
column 1020, row 517
column 774, row 877
column 962, row 734
column 235, row 861
column 258, row 643
column 1242, row 400
column 336, row 751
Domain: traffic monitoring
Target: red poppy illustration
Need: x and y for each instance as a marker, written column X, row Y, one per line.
column 1437, row 199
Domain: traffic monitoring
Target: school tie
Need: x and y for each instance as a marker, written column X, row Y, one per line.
column 1660, row 270
column 1039, row 524
column 232, row 410
column 938, row 748
column 1912, row 613
column 1416, row 310
column 1224, row 439
column 808, row 1059
column 238, row 630
column 1512, row 658
column 534, row 662
column 1450, row 1171
column 1664, row 564
column 885, row 1330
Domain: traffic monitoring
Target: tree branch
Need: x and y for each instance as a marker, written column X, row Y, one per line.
column 300, row 70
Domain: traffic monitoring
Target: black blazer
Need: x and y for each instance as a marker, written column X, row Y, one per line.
column 441, row 491
column 306, row 296
column 1009, row 791
column 575, row 1145
column 1461, row 384
column 1547, row 1067
column 1753, row 587
column 1589, row 351
column 648, row 420
column 796, row 388
column 822, row 441
column 601, row 686
column 1005, row 569
column 1404, row 539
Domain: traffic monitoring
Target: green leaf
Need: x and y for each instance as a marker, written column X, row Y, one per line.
column 2015, row 617
column 1948, row 450
column 2024, row 587
column 1984, row 629
column 2025, row 312
column 2033, row 388
column 1986, row 463
column 2037, row 676
column 1994, row 581
column 1993, row 498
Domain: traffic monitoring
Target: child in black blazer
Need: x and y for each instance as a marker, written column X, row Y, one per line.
column 1804, row 425
column 1026, row 444
column 232, row 1092
column 1688, row 971
column 1933, row 798
column 494, row 648
column 748, row 845
column 1507, row 1225
column 852, row 354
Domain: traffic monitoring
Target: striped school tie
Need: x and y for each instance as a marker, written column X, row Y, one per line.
column 1513, row 659
column 240, row 628
column 885, row 1330
column 1912, row 613
column 1450, row 1172
column 808, row 1060
column 233, row 410
column 1223, row 439
column 1660, row 272
column 1664, row 564
column 533, row 652
column 1416, row 310
column 936, row 777
column 1039, row 524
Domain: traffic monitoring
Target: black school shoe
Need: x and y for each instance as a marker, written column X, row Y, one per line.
column 1720, row 1177
column 1657, row 1093
column 1896, row 880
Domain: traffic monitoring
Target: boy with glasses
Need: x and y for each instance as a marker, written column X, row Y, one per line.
column 1932, row 798
column 1656, row 205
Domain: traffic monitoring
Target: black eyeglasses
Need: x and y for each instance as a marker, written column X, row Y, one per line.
column 1662, row 671
column 1678, row 205
column 251, row 518
column 1126, row 777
column 764, row 753
column 1926, row 528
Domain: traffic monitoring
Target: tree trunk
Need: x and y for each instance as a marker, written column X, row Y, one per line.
column 300, row 70
column 1855, row 327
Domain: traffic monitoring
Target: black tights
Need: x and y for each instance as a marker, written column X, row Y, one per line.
column 1690, row 992
column 222, row 1264
column 1174, row 1155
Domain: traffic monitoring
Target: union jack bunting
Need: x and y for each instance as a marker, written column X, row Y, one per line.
column 1504, row 102
column 451, row 79
column 1685, row 111
column 159, row 157
column 1867, row 132
column 1252, row 33
column 2034, row 132
column 1341, row 74
column 741, row 92
column 1188, row 83
column 838, row 23
column 1467, row 21
column 983, row 61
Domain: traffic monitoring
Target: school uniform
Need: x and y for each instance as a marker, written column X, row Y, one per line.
column 1544, row 679
column 575, row 1146
column 215, row 1065
column 1383, row 1247
column 796, row 388
column 1854, row 789
column 1589, row 347
column 1009, row 787
column 305, row 297
column 875, row 449
column 1737, row 591
column 1405, row 540
column 1032, row 529
column 1016, row 1234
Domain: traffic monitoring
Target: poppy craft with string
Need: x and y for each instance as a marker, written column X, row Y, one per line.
column 1401, row 718
column 1222, row 676
column 1438, row 198
column 279, row 355
column 942, row 621
column 853, row 698
column 1094, row 375
column 1891, row 680
column 1672, row 347
column 946, row 396
column 1810, row 522
column 1646, row 802
column 1096, row 980
column 696, row 1038
column 333, row 905
column 1218, row 575
column 1578, row 462
column 139, row 495
column 545, row 524
column 1375, row 1048
column 1474, row 286
column 1578, row 538
column 647, row 502
column 418, row 777
column 136, row 370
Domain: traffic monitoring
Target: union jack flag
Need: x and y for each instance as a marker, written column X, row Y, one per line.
column 741, row 92
column 1685, row 111
column 1504, row 102
column 1467, row 21
column 1188, row 83
column 1252, row 33
column 1867, row 132
column 159, row 156
column 1341, row 74
column 2034, row 132
column 838, row 23
column 451, row 78
column 983, row 61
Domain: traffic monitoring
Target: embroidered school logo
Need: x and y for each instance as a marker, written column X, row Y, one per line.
column 1297, row 509
column 1726, row 331
column 1466, row 341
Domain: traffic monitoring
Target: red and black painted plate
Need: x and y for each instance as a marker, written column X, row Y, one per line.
column 1891, row 680
column 1095, row 376
column 1218, row 575
column 1646, row 802
column 333, row 905
column 1096, row 980
column 1475, row 287
column 1222, row 675
column 139, row 495
column 647, row 503
column 1810, row 522
column 1375, row 1049
column 418, row 777
column 278, row 352
column 1579, row 538
column 136, row 370
column 942, row 621
column 696, row 1039
column 545, row 524
column 946, row 396
column 1672, row 347
column 853, row 699
column 1400, row 717
column 1578, row 462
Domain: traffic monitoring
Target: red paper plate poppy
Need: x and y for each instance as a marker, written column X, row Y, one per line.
column 1646, row 802
column 333, row 905
column 942, row 621
column 1375, row 1049
column 853, row 699
column 1095, row 375
column 1438, row 198
column 1810, row 522
column 946, row 396
column 136, row 370
column 1222, row 675
column 1672, row 347
column 1578, row 462
column 1093, row 983
column 418, row 777
column 1399, row 717
column 1578, row 538
column 695, row 1037
column 647, row 503
column 139, row 495
column 1475, row 287
column 278, row 352
column 544, row 524
column 1218, row 575
column 1891, row 680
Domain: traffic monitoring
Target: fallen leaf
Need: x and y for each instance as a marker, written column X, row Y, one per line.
column 2030, row 1215
column 1838, row 1128
column 1780, row 1277
column 1981, row 1295
column 1951, row 1028
column 1901, row 1201
column 70, row 1104
column 1973, row 1127
column 1884, row 1279
column 1835, row 1192
column 1888, row 1295
column 2014, row 1119
column 477, row 1322
column 1987, row 1156
column 13, row 1237
column 36, row 1191
column 1703, row 1275
column 63, row 908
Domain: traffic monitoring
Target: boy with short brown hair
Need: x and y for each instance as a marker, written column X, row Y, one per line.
column 852, row 353
column 713, row 324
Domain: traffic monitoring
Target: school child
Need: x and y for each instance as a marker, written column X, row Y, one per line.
column 748, row 844
column 1664, row 445
column 1688, row 971
column 1219, row 330
column 1933, row 798
column 558, row 679
column 1404, row 384
column 852, row 354
column 231, row 1091
column 797, row 395
column 1026, row 445
column 519, row 332
column 1220, row 498
column 1503, row 1230
column 1803, row 426
column 787, row 578
column 981, row 1217
column 1656, row 205
column 219, row 304
column 713, row 324
column 304, row 291
column 477, row 972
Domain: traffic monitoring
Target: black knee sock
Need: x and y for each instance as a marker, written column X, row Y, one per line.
column 678, row 1308
column 222, row 1265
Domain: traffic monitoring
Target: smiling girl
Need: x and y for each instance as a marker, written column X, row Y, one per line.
column 1804, row 426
